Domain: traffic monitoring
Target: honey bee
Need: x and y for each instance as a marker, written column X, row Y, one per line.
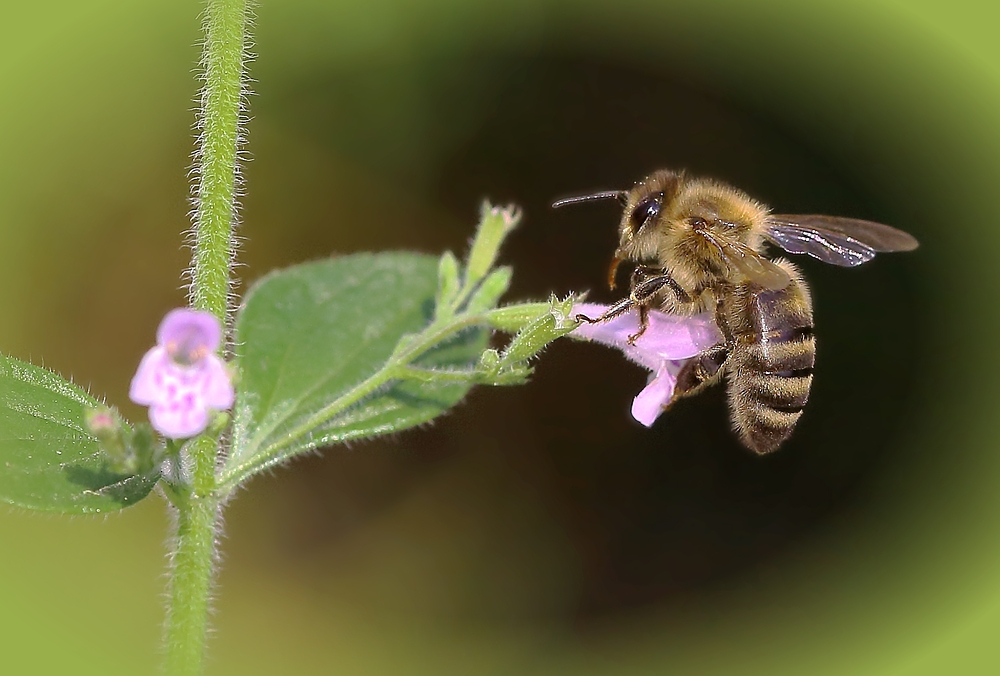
column 698, row 246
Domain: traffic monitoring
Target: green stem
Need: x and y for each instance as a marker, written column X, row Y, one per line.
column 198, row 506
column 214, row 243
column 433, row 376
column 190, row 584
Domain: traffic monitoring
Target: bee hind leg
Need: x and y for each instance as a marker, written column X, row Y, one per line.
column 700, row 372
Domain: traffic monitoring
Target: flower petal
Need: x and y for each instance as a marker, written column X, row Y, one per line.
column 175, row 420
column 667, row 336
column 147, row 383
column 652, row 401
column 218, row 387
column 182, row 378
column 193, row 332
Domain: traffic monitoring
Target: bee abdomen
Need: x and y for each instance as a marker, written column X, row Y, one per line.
column 772, row 367
column 769, row 391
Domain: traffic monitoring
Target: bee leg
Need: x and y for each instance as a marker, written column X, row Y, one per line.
column 644, row 274
column 700, row 372
column 641, row 295
column 643, row 292
column 619, row 308
column 722, row 319
column 704, row 370
column 643, row 324
column 640, row 275
column 646, row 283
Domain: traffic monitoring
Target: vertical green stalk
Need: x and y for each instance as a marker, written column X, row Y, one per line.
column 193, row 560
column 191, row 579
column 218, row 176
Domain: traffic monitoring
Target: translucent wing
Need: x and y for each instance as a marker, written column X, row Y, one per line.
column 838, row 241
column 749, row 263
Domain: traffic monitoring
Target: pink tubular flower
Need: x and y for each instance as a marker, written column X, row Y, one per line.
column 666, row 343
column 182, row 378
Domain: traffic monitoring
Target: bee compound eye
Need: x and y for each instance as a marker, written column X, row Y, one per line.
column 645, row 211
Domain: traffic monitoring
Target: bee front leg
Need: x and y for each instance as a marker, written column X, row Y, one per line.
column 619, row 308
column 642, row 274
column 646, row 283
column 644, row 289
column 641, row 295
column 643, row 324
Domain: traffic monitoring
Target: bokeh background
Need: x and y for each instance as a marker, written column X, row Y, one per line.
column 535, row 530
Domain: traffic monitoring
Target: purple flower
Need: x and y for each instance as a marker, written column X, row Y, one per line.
column 182, row 378
column 666, row 343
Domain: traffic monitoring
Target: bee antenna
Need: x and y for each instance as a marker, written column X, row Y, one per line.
column 620, row 195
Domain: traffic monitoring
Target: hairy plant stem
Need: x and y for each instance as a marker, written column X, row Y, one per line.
column 198, row 507
column 193, row 563
column 217, row 170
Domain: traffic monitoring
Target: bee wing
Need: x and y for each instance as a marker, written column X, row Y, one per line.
column 838, row 241
column 749, row 263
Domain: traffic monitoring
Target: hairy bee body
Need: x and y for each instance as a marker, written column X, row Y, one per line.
column 698, row 245
column 770, row 365
column 766, row 360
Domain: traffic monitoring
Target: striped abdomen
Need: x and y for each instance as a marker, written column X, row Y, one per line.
column 771, row 364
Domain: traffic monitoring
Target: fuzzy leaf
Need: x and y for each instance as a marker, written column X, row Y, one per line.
column 48, row 459
column 448, row 284
column 310, row 334
column 489, row 292
column 494, row 226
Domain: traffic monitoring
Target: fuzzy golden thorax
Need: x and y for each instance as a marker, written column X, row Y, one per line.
column 682, row 225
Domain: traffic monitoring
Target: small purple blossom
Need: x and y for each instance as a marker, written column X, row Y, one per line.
column 666, row 343
column 182, row 378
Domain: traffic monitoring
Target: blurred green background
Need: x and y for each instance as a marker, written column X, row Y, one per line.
column 537, row 530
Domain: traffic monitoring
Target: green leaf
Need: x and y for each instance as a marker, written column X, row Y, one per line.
column 48, row 459
column 314, row 335
column 489, row 292
column 494, row 225
column 448, row 285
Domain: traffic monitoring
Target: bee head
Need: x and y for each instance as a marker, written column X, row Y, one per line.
column 685, row 224
column 644, row 218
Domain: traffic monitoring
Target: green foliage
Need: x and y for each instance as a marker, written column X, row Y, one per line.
column 494, row 225
column 51, row 461
column 537, row 333
column 448, row 285
column 372, row 344
column 314, row 340
column 491, row 290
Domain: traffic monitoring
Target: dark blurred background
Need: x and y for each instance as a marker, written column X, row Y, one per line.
column 537, row 529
